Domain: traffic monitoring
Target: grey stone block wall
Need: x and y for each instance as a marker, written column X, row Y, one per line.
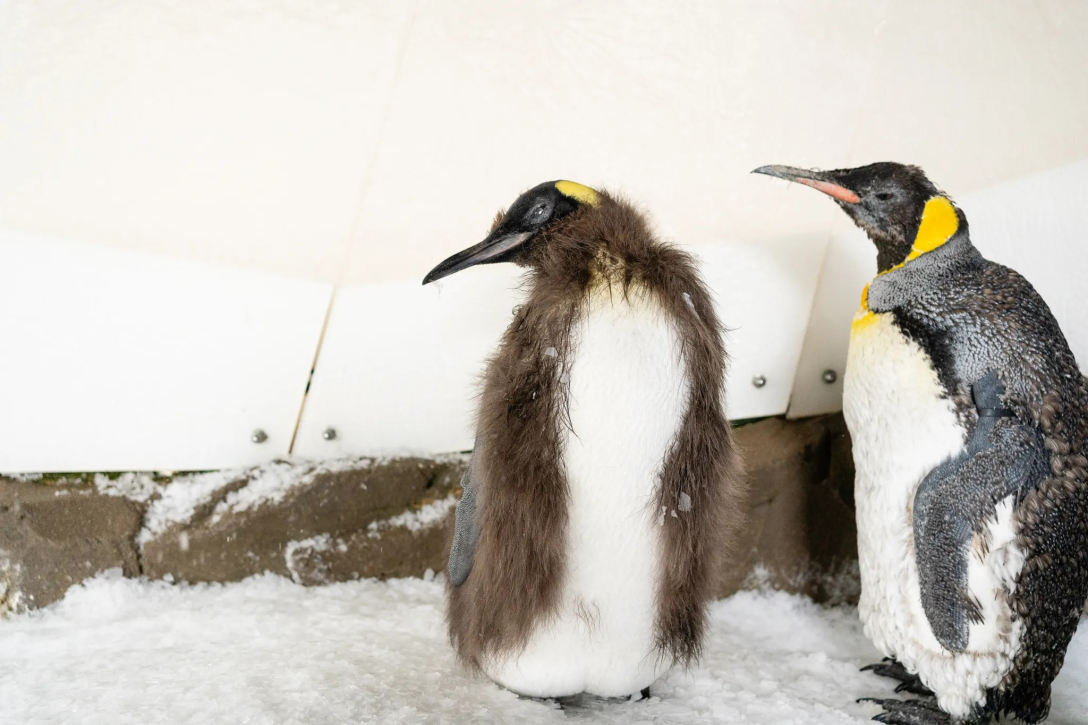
column 356, row 518
column 55, row 535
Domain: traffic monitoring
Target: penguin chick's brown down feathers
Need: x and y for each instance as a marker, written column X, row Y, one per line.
column 519, row 560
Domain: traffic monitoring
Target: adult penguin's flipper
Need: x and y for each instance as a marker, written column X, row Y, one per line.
column 957, row 500
column 466, row 529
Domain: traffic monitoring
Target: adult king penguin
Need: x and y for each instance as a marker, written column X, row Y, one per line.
column 969, row 420
column 603, row 481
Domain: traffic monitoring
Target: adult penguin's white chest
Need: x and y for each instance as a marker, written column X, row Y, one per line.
column 627, row 395
column 902, row 425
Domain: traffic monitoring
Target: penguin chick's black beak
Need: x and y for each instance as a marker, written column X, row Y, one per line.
column 494, row 248
column 819, row 180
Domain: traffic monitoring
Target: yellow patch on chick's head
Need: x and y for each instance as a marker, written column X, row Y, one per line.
column 579, row 192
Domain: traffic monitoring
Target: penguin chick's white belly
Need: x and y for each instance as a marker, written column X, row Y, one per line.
column 628, row 394
column 903, row 426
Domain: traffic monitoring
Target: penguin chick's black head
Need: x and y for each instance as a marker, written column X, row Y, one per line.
column 888, row 201
column 520, row 226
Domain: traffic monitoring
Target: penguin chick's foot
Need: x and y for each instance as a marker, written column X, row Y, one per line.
column 645, row 693
column 912, row 712
column 893, row 669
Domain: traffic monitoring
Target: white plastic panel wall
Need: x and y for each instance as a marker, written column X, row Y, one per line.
column 400, row 365
column 847, row 266
column 200, row 150
column 118, row 360
column 764, row 292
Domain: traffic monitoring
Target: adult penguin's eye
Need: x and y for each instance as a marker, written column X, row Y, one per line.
column 883, row 196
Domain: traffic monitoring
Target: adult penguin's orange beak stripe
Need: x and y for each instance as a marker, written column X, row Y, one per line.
column 816, row 179
column 496, row 245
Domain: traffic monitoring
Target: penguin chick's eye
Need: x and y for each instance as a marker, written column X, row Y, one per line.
column 884, row 195
column 538, row 212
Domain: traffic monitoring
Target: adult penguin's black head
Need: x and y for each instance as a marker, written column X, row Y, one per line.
column 521, row 226
column 890, row 202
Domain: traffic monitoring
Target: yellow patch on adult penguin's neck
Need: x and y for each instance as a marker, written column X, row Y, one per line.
column 939, row 224
column 864, row 317
column 579, row 192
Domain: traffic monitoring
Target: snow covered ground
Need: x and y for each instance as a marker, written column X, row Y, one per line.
column 266, row 650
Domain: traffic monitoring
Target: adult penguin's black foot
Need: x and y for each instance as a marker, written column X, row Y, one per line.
column 645, row 693
column 908, row 682
column 910, row 712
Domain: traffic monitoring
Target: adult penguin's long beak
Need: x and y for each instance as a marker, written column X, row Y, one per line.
column 494, row 248
column 820, row 180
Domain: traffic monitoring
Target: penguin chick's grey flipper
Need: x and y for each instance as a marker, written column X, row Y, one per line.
column 466, row 530
column 958, row 499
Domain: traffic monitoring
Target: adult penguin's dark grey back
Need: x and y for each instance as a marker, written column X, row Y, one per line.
column 973, row 316
column 514, row 578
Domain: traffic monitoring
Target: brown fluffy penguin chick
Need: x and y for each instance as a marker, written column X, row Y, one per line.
column 604, row 487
